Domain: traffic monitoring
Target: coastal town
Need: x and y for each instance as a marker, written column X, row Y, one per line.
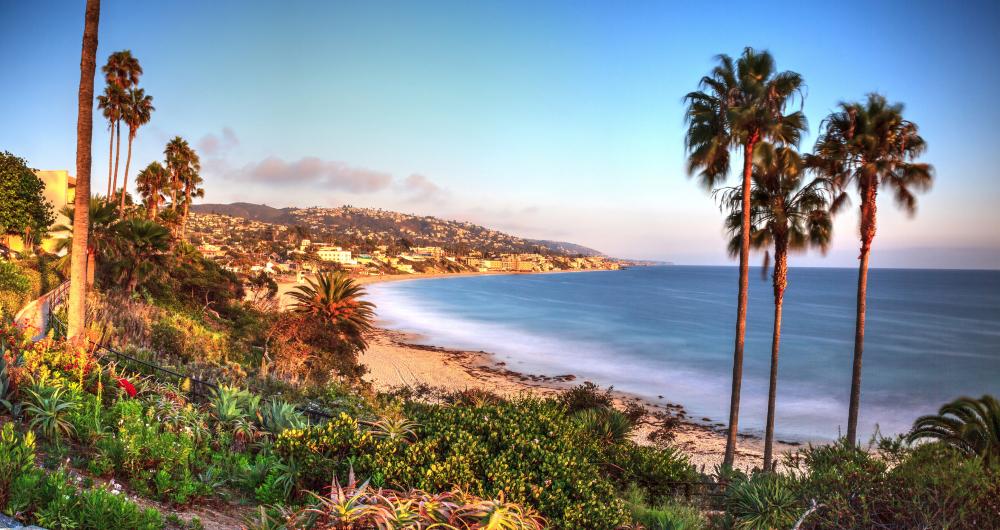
column 247, row 246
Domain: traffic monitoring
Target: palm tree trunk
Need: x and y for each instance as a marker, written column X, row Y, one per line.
column 187, row 208
column 91, row 267
column 741, row 307
column 868, row 216
column 118, row 153
column 154, row 204
column 128, row 161
column 780, row 282
column 111, row 156
column 84, row 135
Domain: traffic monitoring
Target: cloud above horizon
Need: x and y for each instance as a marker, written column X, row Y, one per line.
column 327, row 174
column 213, row 145
column 421, row 189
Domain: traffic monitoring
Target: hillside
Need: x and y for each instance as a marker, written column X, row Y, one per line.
column 347, row 224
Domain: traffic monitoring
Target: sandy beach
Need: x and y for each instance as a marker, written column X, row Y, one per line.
column 398, row 359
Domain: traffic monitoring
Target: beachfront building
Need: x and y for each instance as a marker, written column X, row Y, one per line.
column 428, row 252
column 335, row 255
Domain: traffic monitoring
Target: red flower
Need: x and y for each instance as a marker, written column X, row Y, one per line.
column 129, row 389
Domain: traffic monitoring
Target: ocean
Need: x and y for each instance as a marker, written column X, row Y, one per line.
column 932, row 336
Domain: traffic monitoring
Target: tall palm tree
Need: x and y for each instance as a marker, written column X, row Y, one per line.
column 138, row 112
column 121, row 72
column 740, row 104
column 181, row 161
column 192, row 190
column 970, row 425
column 150, row 184
column 335, row 298
column 872, row 146
column 111, row 102
column 84, row 135
column 787, row 215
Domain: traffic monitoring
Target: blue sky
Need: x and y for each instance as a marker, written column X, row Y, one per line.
column 559, row 120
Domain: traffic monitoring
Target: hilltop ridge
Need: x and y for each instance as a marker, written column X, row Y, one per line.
column 379, row 226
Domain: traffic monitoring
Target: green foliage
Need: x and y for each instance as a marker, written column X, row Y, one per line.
column 669, row 515
column 15, row 288
column 606, row 425
column 17, row 457
column 178, row 334
column 586, row 396
column 54, row 502
column 650, row 468
column 48, row 409
column 23, row 207
column 276, row 416
column 971, row 426
column 762, row 502
column 529, row 449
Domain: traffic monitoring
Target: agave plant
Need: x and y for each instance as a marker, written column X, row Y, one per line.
column 229, row 404
column 48, row 408
column 359, row 506
column 277, row 416
column 762, row 502
column 606, row 424
column 393, row 428
column 970, row 425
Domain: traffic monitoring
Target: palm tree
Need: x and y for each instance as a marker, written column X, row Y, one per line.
column 970, row 425
column 789, row 216
column 138, row 112
column 870, row 145
column 111, row 103
column 84, row 135
column 181, row 161
column 740, row 104
column 142, row 246
column 336, row 299
column 192, row 190
column 102, row 220
column 150, row 184
column 121, row 72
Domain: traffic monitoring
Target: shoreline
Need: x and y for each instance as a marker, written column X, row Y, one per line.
column 396, row 358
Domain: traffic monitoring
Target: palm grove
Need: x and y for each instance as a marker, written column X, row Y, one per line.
column 785, row 200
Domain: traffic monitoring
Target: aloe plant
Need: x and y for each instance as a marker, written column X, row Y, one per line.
column 48, row 409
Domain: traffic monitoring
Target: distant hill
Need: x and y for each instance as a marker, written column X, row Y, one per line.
column 347, row 224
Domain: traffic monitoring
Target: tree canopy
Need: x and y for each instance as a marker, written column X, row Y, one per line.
column 23, row 208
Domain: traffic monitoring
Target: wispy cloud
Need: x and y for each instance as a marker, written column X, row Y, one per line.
column 326, row 174
column 419, row 188
column 213, row 145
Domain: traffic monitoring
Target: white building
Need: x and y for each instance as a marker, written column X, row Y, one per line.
column 336, row 255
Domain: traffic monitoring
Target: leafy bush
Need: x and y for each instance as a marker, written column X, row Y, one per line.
column 17, row 457
column 54, row 502
column 586, row 396
column 15, row 288
column 763, row 502
column 607, row 425
column 669, row 515
column 529, row 449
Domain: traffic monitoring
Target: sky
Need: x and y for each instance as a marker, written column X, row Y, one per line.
column 553, row 120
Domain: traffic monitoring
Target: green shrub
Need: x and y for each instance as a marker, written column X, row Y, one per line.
column 763, row 502
column 651, row 469
column 17, row 457
column 586, row 396
column 604, row 424
column 669, row 515
column 529, row 449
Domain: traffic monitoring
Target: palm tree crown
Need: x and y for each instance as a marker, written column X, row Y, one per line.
column 783, row 210
column 336, row 298
column 151, row 183
column 970, row 425
column 740, row 103
column 871, row 145
column 122, row 69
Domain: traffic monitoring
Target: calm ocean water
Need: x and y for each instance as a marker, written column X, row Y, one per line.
column 932, row 335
